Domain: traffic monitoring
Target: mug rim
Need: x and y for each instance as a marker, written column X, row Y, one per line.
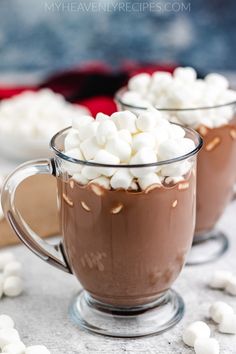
column 124, row 89
column 62, row 155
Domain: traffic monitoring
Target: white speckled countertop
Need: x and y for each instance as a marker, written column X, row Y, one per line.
column 41, row 312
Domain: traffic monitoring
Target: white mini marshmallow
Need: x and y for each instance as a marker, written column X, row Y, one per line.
column 105, row 157
column 78, row 177
column 13, row 286
column 5, row 258
column 125, row 135
column 198, row 329
column 176, row 169
column 105, row 129
column 173, row 180
column 217, row 80
column 185, row 74
column 37, row 349
column 119, row 148
column 71, row 167
column 231, row 286
column 14, row 348
column 228, row 323
column 218, row 309
column 8, row 336
column 170, row 149
column 219, row 279
column 100, row 117
column 75, row 154
column 12, row 268
column 90, row 172
column 146, row 121
column 102, row 181
column 125, row 120
column 206, row 346
column 143, row 156
column 176, row 132
column 78, row 121
column 6, row 322
column 160, row 81
column 72, row 140
column 143, row 140
column 88, row 130
column 89, row 148
column 149, row 180
column 139, row 83
column 121, row 179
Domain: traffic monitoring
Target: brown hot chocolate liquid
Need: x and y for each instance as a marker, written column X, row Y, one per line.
column 127, row 247
column 216, row 174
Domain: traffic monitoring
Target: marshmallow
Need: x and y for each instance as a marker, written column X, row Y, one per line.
column 160, row 81
column 13, row 286
column 185, row 74
column 231, row 286
column 102, row 181
column 14, row 348
column 206, row 346
column 196, row 330
column 105, row 129
column 143, row 156
column 1, row 285
column 78, row 121
column 90, row 172
column 8, row 336
column 71, row 140
column 176, row 169
column 5, row 258
column 139, row 83
column 217, row 80
column 218, row 310
column 121, row 179
column 78, row 177
column 119, row 148
column 148, row 180
column 100, row 117
column 75, row 154
column 6, row 322
column 105, row 157
column 125, row 135
column 146, row 121
column 12, row 268
column 125, row 120
column 176, row 132
column 37, row 349
column 89, row 148
column 170, row 149
column 143, row 140
column 228, row 323
column 88, row 130
column 132, row 98
column 219, row 279
column 71, row 167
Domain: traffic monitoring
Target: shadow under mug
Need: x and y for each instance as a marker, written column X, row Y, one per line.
column 126, row 247
column 216, row 173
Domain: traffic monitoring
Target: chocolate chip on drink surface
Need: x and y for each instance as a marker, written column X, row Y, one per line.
column 67, row 200
column 212, row 144
column 117, row 208
column 174, row 204
column 85, row 206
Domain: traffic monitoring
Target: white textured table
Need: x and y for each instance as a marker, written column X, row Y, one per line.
column 41, row 311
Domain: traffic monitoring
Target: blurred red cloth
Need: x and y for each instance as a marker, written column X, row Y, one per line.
column 92, row 85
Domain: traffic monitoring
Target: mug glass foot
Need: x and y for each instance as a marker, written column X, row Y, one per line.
column 143, row 320
column 208, row 247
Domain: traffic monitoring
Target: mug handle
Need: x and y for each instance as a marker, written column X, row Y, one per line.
column 53, row 254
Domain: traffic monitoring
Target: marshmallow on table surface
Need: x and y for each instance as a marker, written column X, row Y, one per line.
column 231, row 286
column 149, row 180
column 206, row 346
column 219, row 279
column 14, row 348
column 5, row 258
column 139, row 83
column 143, row 156
column 37, row 349
column 13, row 286
column 8, row 336
column 121, row 179
column 12, row 268
column 196, row 330
column 228, row 323
column 218, row 310
column 6, row 322
column 125, row 120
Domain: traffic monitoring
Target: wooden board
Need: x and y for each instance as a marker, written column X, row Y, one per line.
column 36, row 201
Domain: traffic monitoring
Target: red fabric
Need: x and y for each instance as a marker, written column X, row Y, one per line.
column 92, row 85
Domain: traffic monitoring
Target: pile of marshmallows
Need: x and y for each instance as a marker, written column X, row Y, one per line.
column 183, row 90
column 11, row 283
column 1, row 211
column 37, row 115
column 124, row 138
column 197, row 334
column 10, row 342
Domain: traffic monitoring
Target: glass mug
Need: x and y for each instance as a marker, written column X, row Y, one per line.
column 216, row 175
column 126, row 247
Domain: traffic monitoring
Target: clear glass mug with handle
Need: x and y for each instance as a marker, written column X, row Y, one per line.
column 216, row 173
column 126, row 247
